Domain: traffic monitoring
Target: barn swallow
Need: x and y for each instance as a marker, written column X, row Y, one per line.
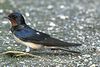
column 32, row 38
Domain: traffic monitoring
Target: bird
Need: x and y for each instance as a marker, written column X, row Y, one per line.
column 32, row 38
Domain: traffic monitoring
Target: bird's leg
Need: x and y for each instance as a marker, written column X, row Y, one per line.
column 28, row 49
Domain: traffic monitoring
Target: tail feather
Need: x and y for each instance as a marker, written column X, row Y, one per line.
column 58, row 43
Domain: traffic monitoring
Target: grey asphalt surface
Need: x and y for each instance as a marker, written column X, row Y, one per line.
column 76, row 21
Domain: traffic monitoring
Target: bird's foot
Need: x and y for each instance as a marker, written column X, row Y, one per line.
column 27, row 49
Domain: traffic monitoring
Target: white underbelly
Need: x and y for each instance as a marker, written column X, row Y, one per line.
column 29, row 44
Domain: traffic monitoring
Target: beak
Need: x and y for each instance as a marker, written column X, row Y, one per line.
column 6, row 17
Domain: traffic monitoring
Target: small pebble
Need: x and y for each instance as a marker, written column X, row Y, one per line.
column 53, row 19
column 28, row 23
column 62, row 6
column 50, row 28
column 10, row 32
column 27, row 14
column 90, row 63
column 16, row 45
column 9, row 48
column 80, row 27
column 22, row 62
column 37, row 33
column 86, row 60
column 82, row 19
column 86, row 55
column 7, row 37
column 50, row 6
column 52, row 24
column 63, row 17
column 94, row 54
column 93, row 65
column 79, row 57
column 90, row 58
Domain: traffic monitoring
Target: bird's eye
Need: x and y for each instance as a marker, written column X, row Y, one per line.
column 14, row 16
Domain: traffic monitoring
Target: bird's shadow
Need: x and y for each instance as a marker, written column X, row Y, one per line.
column 53, row 52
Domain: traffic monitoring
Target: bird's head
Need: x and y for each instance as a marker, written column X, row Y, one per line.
column 16, row 19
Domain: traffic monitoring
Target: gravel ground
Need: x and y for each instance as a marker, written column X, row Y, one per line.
column 76, row 21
